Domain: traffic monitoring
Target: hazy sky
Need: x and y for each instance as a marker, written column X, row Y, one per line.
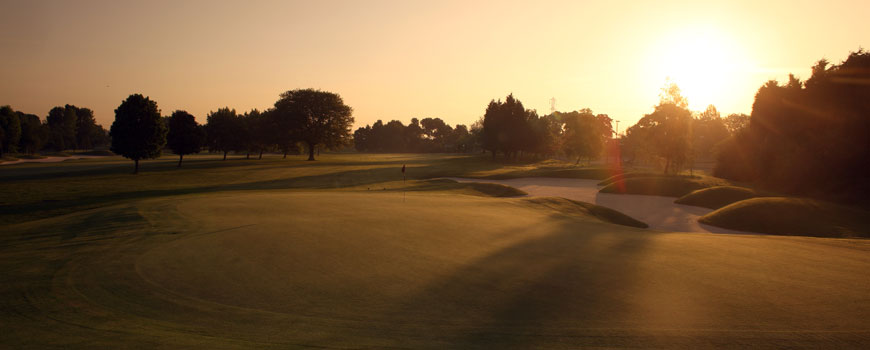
column 404, row 59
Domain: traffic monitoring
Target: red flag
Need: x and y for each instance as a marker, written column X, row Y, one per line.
column 403, row 168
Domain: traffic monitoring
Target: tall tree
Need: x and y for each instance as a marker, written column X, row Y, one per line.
column 317, row 118
column 55, row 124
column 138, row 132
column 667, row 130
column 585, row 134
column 33, row 133
column 224, row 131
column 708, row 130
column 86, row 128
column 10, row 130
column 185, row 135
column 505, row 126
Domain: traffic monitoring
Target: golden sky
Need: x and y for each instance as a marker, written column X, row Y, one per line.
column 404, row 59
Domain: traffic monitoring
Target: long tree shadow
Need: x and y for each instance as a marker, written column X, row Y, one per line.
column 545, row 291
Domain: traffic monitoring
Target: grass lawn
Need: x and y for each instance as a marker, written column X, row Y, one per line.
column 342, row 253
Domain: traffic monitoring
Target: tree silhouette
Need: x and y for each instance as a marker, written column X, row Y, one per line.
column 585, row 133
column 138, row 131
column 223, row 130
column 33, row 133
column 185, row 135
column 10, row 130
column 666, row 132
column 506, row 128
column 87, row 132
column 809, row 138
column 315, row 117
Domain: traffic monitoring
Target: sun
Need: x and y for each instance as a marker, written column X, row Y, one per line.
column 703, row 62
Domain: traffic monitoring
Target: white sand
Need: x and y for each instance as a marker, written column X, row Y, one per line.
column 660, row 213
column 47, row 160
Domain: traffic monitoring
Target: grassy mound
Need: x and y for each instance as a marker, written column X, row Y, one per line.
column 669, row 186
column 717, row 196
column 623, row 176
column 571, row 207
column 791, row 216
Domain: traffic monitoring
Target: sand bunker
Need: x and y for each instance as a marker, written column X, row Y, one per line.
column 660, row 213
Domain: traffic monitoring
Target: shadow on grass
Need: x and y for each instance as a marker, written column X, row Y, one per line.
column 526, row 294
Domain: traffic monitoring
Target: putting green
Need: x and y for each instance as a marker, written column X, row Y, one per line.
column 286, row 269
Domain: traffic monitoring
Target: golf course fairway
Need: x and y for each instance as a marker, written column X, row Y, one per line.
column 379, row 269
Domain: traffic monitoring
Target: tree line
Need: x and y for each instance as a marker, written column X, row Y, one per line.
column 419, row 136
column 303, row 117
column 67, row 127
column 808, row 137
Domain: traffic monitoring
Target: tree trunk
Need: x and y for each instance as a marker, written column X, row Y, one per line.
column 136, row 166
column 225, row 155
column 261, row 155
column 180, row 156
column 310, row 151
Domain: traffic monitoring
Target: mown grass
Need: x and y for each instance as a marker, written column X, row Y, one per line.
column 668, row 186
column 38, row 190
column 791, row 216
column 717, row 196
column 572, row 207
column 280, row 254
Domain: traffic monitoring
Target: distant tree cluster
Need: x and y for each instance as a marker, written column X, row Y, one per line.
column 510, row 129
column 308, row 117
column 673, row 137
column 67, row 127
column 427, row 135
column 810, row 138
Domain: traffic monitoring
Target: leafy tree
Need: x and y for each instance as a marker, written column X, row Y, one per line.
column 506, row 128
column 10, row 130
column 185, row 135
column 667, row 130
column 224, row 131
column 68, row 126
column 708, row 130
column 809, row 138
column 55, row 124
column 315, row 117
column 259, row 126
column 736, row 122
column 585, row 133
column 33, row 133
column 138, row 133
column 87, row 132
